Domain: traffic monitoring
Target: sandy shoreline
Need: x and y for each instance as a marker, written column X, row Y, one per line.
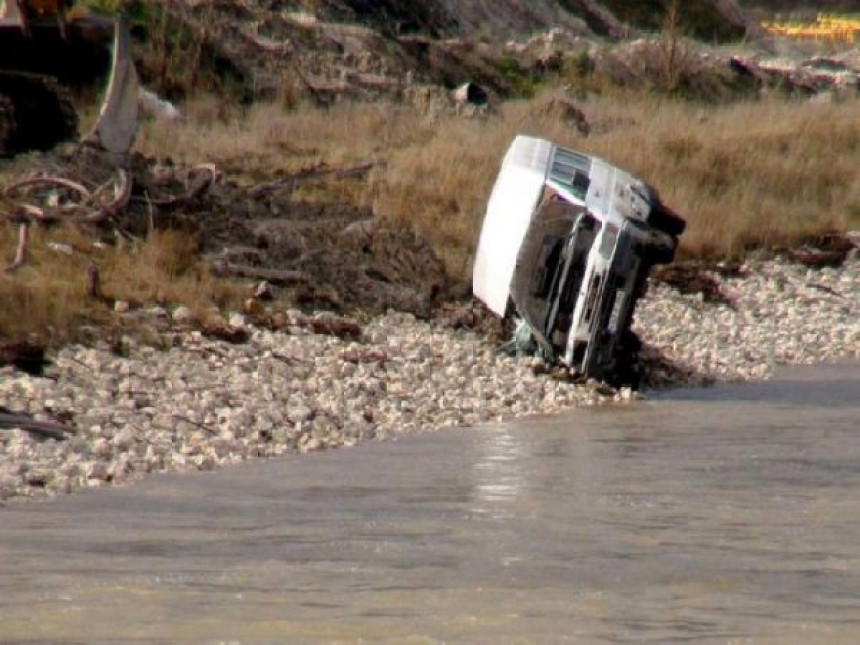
column 204, row 404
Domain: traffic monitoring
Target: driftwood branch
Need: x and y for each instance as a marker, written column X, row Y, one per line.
column 207, row 175
column 122, row 193
column 310, row 174
column 278, row 277
column 28, row 210
column 49, row 216
column 93, row 284
column 46, row 429
column 21, row 251
column 82, row 211
column 62, row 182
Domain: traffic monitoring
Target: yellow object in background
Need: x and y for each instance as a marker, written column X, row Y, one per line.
column 832, row 27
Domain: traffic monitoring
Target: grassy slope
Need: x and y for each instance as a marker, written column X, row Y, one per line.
column 745, row 175
column 749, row 175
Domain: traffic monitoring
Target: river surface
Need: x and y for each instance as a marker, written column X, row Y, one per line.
column 726, row 515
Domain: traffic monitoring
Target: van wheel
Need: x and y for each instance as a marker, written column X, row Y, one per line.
column 659, row 254
column 665, row 220
column 628, row 369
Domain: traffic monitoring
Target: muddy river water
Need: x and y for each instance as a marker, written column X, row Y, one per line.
column 727, row 515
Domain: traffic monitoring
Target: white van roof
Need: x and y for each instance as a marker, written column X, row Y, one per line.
column 515, row 195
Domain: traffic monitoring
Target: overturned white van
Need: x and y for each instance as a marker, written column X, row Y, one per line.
column 566, row 244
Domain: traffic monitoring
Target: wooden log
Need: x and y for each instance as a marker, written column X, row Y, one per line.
column 277, row 277
column 93, row 281
column 310, row 174
column 47, row 429
column 21, row 251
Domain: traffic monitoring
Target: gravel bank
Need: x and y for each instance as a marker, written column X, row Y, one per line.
column 204, row 404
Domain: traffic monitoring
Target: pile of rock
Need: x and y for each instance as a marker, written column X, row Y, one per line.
column 202, row 404
column 774, row 313
column 833, row 77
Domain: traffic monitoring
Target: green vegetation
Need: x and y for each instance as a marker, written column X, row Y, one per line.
column 523, row 82
column 100, row 6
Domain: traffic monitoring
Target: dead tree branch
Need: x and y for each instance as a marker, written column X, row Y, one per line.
column 21, row 251
column 122, row 193
column 48, row 181
column 278, row 277
column 207, row 175
column 26, row 422
column 310, row 174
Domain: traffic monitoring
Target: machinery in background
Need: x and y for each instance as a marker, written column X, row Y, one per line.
column 46, row 51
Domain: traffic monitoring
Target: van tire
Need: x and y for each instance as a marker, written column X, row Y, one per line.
column 663, row 219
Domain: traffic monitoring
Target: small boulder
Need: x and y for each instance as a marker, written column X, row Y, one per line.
column 470, row 94
column 237, row 320
column 264, row 291
column 182, row 315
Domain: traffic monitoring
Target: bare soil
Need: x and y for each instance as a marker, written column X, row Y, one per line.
column 324, row 255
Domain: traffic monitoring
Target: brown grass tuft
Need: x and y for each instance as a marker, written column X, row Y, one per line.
column 760, row 174
column 46, row 299
column 265, row 139
column 749, row 175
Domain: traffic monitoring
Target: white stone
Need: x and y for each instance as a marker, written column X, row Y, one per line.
column 182, row 315
column 237, row 320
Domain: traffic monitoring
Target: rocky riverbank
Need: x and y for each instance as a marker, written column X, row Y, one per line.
column 203, row 404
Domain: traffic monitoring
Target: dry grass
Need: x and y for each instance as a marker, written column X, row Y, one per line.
column 748, row 175
column 264, row 139
column 259, row 143
column 46, row 300
column 744, row 175
column 760, row 174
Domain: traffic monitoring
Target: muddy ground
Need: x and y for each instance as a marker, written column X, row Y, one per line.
column 316, row 254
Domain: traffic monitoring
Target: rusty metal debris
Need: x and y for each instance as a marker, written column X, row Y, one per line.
column 44, row 52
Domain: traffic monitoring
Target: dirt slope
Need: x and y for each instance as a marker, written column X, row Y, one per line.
column 363, row 49
column 708, row 19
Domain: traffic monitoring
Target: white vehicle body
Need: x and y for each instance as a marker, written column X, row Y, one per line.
column 567, row 242
column 518, row 188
